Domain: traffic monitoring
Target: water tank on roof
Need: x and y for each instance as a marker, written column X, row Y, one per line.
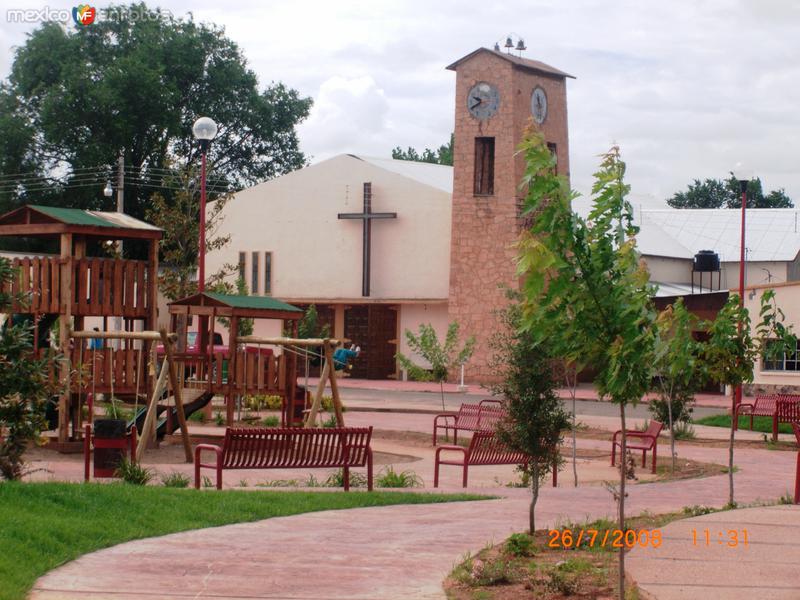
column 706, row 261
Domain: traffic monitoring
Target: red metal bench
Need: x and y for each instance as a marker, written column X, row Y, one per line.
column 287, row 448
column 470, row 417
column 796, row 429
column 764, row 406
column 648, row 441
column 787, row 410
column 484, row 449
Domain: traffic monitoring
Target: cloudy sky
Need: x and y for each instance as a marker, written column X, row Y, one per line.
column 687, row 89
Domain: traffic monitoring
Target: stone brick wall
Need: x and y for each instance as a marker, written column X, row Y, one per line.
column 485, row 228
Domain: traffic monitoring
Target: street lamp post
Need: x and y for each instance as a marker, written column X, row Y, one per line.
column 204, row 130
column 743, row 177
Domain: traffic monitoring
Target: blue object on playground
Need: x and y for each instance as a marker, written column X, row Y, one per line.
column 341, row 357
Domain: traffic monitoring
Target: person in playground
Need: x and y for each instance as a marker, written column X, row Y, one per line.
column 343, row 356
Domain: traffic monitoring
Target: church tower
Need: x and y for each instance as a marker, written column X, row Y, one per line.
column 497, row 96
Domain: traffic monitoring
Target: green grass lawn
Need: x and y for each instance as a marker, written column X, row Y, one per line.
column 43, row 525
column 762, row 424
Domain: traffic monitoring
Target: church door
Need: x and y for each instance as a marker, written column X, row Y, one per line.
column 372, row 327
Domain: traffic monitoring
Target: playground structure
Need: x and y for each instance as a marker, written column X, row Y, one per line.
column 250, row 365
column 73, row 285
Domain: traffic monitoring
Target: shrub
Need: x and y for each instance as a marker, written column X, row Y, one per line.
column 683, row 431
column 681, row 408
column 337, row 480
column 207, row 483
column 492, row 572
column 330, row 422
column 198, row 417
column 175, row 480
column 133, row 473
column 520, row 544
column 219, row 419
column 259, row 401
column 270, row 421
column 389, row 478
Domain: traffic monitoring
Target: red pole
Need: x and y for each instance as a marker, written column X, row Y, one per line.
column 743, row 186
column 201, row 284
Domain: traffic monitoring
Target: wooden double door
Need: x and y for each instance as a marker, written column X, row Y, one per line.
column 373, row 327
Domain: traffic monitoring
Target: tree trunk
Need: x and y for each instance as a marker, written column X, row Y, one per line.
column 730, row 447
column 671, row 432
column 623, row 471
column 441, row 389
column 534, row 498
column 573, row 386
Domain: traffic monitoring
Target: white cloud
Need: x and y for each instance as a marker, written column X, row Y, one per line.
column 686, row 88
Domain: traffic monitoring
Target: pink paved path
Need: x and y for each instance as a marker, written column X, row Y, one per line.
column 375, row 553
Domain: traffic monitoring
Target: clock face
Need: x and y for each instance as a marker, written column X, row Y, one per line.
column 539, row 105
column 483, row 100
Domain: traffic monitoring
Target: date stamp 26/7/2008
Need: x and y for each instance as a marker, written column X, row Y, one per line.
column 645, row 538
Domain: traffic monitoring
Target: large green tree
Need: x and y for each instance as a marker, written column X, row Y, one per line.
column 443, row 155
column 725, row 193
column 134, row 84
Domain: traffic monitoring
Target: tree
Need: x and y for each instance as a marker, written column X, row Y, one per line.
column 180, row 248
column 678, row 367
column 24, row 387
column 718, row 193
column 590, row 269
column 134, row 83
column 732, row 349
column 245, row 326
column 442, row 155
column 442, row 358
column 535, row 414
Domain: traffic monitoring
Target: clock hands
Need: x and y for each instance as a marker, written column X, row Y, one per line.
column 478, row 103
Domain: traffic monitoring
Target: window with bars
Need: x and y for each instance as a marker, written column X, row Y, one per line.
column 484, row 166
column 786, row 361
column 254, row 282
column 268, row 273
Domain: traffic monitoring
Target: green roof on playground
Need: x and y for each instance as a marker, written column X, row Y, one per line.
column 259, row 302
column 95, row 218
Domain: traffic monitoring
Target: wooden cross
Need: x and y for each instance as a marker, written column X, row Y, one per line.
column 366, row 217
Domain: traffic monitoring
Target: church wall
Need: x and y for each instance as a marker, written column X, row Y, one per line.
column 317, row 256
column 413, row 315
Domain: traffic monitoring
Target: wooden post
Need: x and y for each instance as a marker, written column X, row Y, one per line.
column 151, row 322
column 233, row 346
column 337, row 403
column 64, row 325
column 149, row 428
column 311, row 418
column 177, row 391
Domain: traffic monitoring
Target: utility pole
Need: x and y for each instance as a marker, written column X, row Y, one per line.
column 120, row 209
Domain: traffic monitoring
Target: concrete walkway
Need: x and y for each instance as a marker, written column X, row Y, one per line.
column 378, row 553
column 685, row 567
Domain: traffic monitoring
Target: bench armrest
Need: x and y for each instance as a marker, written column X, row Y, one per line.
column 452, row 448
column 217, row 464
column 635, row 434
column 748, row 405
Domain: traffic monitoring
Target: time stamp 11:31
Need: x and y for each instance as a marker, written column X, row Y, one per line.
column 732, row 538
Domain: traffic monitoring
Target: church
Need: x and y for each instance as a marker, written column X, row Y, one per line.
column 380, row 246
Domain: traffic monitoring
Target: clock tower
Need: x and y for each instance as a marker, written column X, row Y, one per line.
column 497, row 96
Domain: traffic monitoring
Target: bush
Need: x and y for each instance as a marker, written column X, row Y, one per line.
column 520, row 544
column 263, row 401
column 175, row 480
column 681, row 408
column 133, row 473
column 389, row 478
column 683, row 431
column 198, row 417
column 330, row 422
column 270, row 421
column 219, row 419
column 357, row 480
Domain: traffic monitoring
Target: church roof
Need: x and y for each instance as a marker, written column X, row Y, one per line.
column 433, row 175
column 527, row 64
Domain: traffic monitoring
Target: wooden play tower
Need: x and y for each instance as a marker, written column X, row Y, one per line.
column 79, row 280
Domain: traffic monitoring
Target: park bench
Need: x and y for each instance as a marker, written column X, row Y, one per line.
column 470, row 417
column 648, row 440
column 787, row 410
column 287, row 448
column 796, row 429
column 764, row 406
column 485, row 448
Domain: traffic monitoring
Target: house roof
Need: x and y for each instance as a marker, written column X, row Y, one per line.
column 527, row 64
column 430, row 174
column 771, row 234
column 35, row 219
